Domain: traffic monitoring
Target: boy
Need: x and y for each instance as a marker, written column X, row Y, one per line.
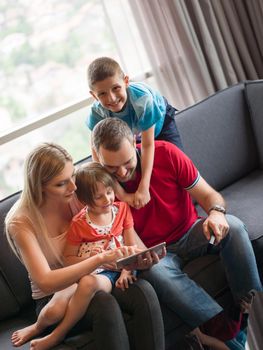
column 145, row 110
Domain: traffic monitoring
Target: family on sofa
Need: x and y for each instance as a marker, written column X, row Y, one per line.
column 162, row 210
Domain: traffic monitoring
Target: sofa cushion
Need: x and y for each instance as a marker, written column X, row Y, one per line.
column 254, row 96
column 8, row 305
column 8, row 326
column 245, row 200
column 13, row 272
column 217, row 135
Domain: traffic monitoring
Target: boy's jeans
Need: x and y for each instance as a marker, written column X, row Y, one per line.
column 181, row 294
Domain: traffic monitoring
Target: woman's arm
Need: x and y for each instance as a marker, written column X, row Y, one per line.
column 50, row 281
column 142, row 195
column 70, row 254
column 130, row 237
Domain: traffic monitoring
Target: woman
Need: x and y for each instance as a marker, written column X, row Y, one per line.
column 36, row 228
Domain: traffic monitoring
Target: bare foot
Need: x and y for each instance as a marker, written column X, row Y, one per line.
column 45, row 343
column 211, row 342
column 21, row 336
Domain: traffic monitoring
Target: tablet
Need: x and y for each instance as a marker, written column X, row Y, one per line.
column 121, row 263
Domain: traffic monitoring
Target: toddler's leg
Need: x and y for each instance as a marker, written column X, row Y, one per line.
column 76, row 309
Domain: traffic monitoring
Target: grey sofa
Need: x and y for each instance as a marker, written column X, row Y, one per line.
column 222, row 135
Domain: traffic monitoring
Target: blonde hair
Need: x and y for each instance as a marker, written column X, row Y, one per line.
column 87, row 177
column 44, row 163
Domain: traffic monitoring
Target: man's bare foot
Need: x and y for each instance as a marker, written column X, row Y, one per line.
column 45, row 343
column 23, row 335
column 211, row 342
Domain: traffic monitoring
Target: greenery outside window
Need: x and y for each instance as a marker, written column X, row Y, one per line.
column 44, row 52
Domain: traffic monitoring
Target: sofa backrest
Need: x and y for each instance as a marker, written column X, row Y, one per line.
column 217, row 135
column 15, row 290
column 254, row 98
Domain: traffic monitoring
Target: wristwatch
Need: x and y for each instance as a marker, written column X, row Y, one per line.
column 219, row 208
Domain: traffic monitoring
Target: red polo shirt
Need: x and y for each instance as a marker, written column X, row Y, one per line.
column 170, row 212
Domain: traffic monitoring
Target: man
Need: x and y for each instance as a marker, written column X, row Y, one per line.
column 171, row 216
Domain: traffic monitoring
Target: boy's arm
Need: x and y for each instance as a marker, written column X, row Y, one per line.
column 122, row 195
column 95, row 157
column 142, row 195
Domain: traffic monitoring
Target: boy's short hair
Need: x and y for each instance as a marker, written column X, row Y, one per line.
column 109, row 133
column 102, row 68
column 87, row 177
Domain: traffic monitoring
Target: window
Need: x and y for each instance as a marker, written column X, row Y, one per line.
column 44, row 52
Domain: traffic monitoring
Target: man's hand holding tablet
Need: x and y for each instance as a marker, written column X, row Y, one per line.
column 144, row 259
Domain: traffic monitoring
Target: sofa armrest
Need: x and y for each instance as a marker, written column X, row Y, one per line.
column 8, row 305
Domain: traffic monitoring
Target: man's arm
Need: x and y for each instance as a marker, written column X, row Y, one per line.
column 207, row 198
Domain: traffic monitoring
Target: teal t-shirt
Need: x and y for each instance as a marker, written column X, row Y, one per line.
column 144, row 108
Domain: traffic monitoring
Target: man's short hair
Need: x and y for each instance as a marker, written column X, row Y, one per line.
column 101, row 69
column 110, row 133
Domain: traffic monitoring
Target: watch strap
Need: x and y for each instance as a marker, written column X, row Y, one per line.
column 219, row 208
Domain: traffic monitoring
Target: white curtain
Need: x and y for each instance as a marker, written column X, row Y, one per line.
column 197, row 47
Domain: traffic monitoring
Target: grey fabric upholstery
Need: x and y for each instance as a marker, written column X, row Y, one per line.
column 217, row 135
column 8, row 304
column 254, row 96
column 222, row 134
column 244, row 199
column 8, row 262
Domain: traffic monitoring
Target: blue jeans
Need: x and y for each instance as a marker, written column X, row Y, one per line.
column 169, row 130
column 112, row 275
column 181, row 294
